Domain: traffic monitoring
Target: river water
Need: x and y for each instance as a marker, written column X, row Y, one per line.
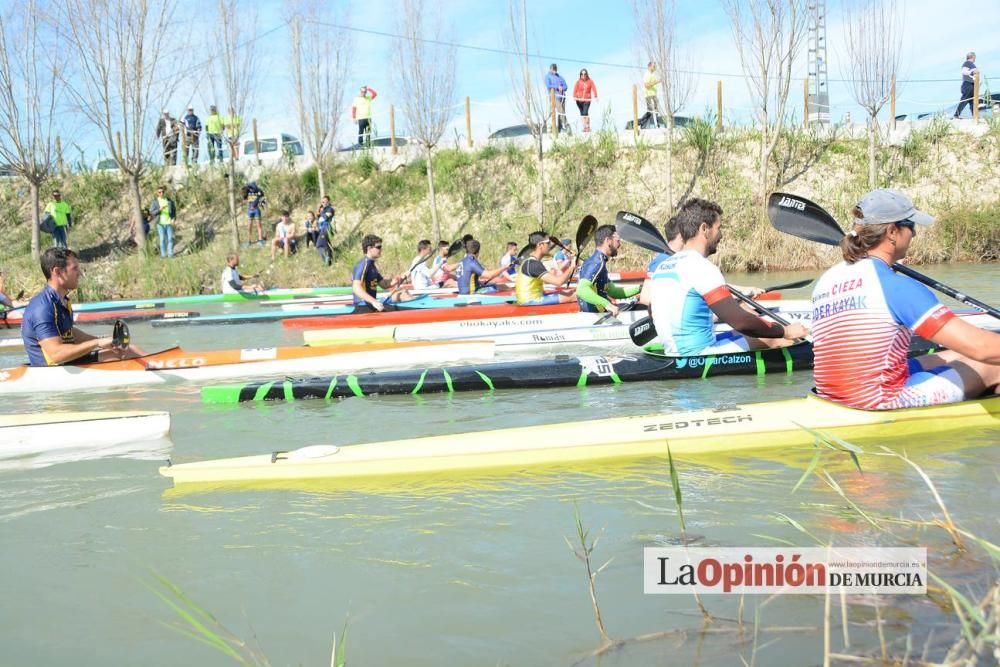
column 473, row 570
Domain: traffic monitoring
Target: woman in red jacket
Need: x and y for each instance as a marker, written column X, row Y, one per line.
column 583, row 92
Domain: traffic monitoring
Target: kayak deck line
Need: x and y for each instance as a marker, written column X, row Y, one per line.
column 699, row 432
column 25, row 434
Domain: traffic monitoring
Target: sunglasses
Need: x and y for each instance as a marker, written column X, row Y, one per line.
column 378, row 247
column 906, row 223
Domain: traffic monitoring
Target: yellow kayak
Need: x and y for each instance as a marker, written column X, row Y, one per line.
column 757, row 425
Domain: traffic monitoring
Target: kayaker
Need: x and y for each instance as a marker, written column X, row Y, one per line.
column 470, row 274
column 593, row 288
column 440, row 271
column 47, row 330
column 529, row 285
column 232, row 279
column 420, row 274
column 5, row 300
column 562, row 257
column 508, row 261
column 864, row 315
column 686, row 289
column 366, row 280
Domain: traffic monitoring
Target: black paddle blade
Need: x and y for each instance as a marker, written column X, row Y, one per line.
column 455, row 247
column 642, row 331
column 636, row 229
column 120, row 336
column 585, row 231
column 794, row 285
column 802, row 218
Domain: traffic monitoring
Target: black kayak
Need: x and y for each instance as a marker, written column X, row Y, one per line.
column 559, row 371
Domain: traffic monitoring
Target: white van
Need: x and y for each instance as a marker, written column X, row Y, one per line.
column 276, row 148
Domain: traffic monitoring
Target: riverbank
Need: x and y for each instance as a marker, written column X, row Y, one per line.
column 492, row 193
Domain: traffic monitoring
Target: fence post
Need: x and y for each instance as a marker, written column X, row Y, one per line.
column 118, row 137
column 892, row 104
column 183, row 131
column 805, row 102
column 552, row 102
column 975, row 95
column 468, row 122
column 635, row 112
column 718, row 102
column 59, row 155
column 256, row 142
column 392, row 128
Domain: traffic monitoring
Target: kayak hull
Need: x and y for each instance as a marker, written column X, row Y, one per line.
column 703, row 432
column 26, row 434
column 414, row 316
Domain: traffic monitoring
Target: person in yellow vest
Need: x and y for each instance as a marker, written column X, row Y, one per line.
column 651, row 84
column 532, row 275
column 62, row 218
column 163, row 211
column 232, row 124
column 213, row 130
column 361, row 111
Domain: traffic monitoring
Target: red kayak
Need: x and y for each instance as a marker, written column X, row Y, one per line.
column 426, row 315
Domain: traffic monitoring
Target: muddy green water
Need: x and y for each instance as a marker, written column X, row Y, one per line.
column 462, row 571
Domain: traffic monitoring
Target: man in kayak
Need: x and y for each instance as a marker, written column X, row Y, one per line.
column 440, row 271
column 864, row 315
column 420, row 274
column 563, row 256
column 232, row 279
column 686, row 289
column 50, row 339
column 594, row 288
column 529, row 284
column 366, row 280
column 508, row 261
column 470, row 274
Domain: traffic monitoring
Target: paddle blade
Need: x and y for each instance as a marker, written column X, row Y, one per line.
column 120, row 336
column 794, row 285
column 642, row 331
column 800, row 217
column 636, row 229
column 455, row 247
column 585, row 231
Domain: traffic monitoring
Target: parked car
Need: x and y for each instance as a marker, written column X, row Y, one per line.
column 274, row 149
column 646, row 122
column 512, row 132
column 378, row 142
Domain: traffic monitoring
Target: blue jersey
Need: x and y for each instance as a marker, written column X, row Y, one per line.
column 326, row 217
column 655, row 262
column 255, row 198
column 47, row 315
column 595, row 269
column 467, row 275
column 368, row 274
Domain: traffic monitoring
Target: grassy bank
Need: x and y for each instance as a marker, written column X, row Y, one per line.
column 491, row 193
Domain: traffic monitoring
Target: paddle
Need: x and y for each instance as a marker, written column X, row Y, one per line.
column 608, row 316
column 120, row 336
column 800, row 217
column 452, row 249
column 636, row 229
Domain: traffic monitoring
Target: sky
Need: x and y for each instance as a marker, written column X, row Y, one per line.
column 597, row 34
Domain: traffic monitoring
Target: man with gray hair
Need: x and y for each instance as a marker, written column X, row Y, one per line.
column 969, row 72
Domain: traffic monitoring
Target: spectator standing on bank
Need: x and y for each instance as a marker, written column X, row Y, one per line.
column 254, row 197
column 191, row 126
column 969, row 71
column 167, row 133
column 361, row 111
column 554, row 81
column 232, row 124
column 213, row 132
column 651, row 84
column 163, row 211
column 62, row 217
column 311, row 227
column 584, row 92
column 325, row 213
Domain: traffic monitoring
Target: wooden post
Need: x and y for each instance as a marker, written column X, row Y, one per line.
column 118, row 138
column 256, row 142
column 59, row 155
column 552, row 103
column 316, row 135
column 805, row 102
column 183, row 132
column 892, row 104
column 392, row 128
column 468, row 122
column 718, row 102
column 975, row 95
column 635, row 112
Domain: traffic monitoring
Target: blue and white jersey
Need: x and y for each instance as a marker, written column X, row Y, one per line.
column 595, row 269
column 683, row 288
column 47, row 315
column 655, row 262
column 366, row 271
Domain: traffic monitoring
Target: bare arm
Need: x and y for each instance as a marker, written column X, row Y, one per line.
column 359, row 291
column 58, row 352
column 971, row 341
column 729, row 311
column 558, row 276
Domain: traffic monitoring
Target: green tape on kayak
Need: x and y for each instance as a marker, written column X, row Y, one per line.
column 788, row 360
column 262, row 391
column 329, row 390
column 420, row 383
column 287, row 386
column 582, row 382
column 486, row 378
column 761, row 368
column 222, row 393
column 447, row 381
column 615, row 378
column 708, row 364
column 352, row 382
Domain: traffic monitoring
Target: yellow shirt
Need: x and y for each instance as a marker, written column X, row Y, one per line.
column 528, row 287
column 59, row 210
column 651, row 82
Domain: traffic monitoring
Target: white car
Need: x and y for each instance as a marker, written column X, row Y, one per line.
column 275, row 148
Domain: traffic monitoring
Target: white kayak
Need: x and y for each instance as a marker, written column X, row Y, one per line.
column 29, row 434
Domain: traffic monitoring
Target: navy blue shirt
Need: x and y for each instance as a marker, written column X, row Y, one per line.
column 368, row 274
column 326, row 217
column 467, row 275
column 967, row 78
column 47, row 315
column 595, row 269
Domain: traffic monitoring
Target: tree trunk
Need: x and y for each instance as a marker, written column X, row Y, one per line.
column 541, row 185
column 35, row 240
column 435, row 226
column 319, row 177
column 231, row 186
column 872, row 173
column 140, row 233
column 670, row 163
column 762, row 165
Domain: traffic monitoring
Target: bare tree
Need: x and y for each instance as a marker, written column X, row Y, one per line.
column 527, row 94
column 424, row 69
column 233, row 74
column 873, row 35
column 768, row 34
column 28, row 94
column 121, row 64
column 656, row 28
column 319, row 68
